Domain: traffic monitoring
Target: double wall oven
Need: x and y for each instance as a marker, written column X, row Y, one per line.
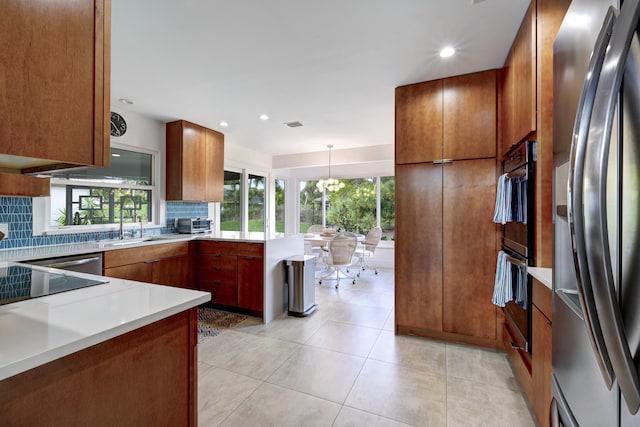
column 518, row 238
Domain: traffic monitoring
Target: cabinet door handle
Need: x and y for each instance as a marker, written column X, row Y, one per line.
column 217, row 268
column 247, row 257
column 151, row 261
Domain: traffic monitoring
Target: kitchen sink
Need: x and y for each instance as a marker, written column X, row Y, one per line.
column 126, row 242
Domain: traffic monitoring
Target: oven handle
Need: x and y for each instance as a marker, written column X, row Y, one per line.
column 516, row 261
column 575, row 208
column 73, row 263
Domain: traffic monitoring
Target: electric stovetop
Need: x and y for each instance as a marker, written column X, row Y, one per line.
column 20, row 282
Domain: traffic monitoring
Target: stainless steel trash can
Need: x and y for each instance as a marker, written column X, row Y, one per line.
column 301, row 278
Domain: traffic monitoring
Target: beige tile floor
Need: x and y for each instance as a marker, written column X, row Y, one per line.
column 343, row 366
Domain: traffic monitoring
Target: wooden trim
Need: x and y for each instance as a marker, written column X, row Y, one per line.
column 445, row 336
column 102, row 141
column 24, row 185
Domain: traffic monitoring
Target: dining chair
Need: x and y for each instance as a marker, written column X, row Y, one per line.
column 341, row 249
column 368, row 247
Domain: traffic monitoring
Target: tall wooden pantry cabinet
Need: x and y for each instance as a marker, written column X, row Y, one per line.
column 446, row 243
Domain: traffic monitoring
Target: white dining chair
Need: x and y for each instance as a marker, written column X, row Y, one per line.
column 341, row 249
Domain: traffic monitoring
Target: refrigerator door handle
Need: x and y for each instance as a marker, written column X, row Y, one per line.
column 597, row 234
column 575, row 211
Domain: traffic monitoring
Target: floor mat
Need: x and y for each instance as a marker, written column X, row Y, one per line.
column 211, row 322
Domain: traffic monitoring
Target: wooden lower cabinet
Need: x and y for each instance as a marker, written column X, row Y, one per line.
column 541, row 352
column 469, row 247
column 233, row 273
column 165, row 264
column 251, row 276
column 418, row 257
column 446, row 251
column 145, row 377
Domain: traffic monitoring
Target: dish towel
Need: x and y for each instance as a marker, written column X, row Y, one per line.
column 502, row 211
column 502, row 289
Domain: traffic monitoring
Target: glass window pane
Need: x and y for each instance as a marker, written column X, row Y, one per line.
column 230, row 206
column 127, row 168
column 99, row 205
column 353, row 208
column 387, row 207
column 310, row 205
column 280, row 211
column 256, row 203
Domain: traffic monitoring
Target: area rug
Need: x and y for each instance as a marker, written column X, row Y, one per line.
column 211, row 322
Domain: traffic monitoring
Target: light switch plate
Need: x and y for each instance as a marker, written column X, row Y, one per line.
column 5, row 229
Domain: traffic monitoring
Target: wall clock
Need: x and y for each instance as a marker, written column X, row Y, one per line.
column 118, row 125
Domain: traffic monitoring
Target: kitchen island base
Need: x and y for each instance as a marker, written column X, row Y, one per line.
column 145, row 377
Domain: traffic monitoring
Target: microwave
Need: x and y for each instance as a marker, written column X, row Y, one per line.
column 194, row 225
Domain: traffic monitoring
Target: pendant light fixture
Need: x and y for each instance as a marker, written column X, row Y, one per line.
column 329, row 184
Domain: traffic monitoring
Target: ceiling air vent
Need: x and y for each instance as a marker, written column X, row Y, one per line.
column 294, row 124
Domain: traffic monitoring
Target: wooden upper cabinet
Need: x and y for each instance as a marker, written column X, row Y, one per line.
column 195, row 162
column 55, row 97
column 469, row 118
column 214, row 172
column 419, row 122
column 519, row 84
column 454, row 118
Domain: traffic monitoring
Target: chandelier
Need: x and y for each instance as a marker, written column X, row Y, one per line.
column 329, row 184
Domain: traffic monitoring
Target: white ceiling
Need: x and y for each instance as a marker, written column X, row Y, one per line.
column 330, row 64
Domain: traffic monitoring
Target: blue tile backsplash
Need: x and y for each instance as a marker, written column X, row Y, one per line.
column 184, row 210
column 18, row 213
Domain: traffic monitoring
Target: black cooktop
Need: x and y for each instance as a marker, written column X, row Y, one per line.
column 19, row 282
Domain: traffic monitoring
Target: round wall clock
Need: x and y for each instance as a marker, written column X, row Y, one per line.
column 118, row 125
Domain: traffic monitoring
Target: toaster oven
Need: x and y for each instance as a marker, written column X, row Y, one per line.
column 194, row 225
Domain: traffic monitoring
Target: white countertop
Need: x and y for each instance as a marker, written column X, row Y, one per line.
column 39, row 252
column 544, row 275
column 39, row 330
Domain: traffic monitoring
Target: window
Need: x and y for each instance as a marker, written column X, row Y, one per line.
column 356, row 207
column 256, row 202
column 310, row 205
column 280, row 206
column 353, row 208
column 230, row 206
column 124, row 190
column 388, row 207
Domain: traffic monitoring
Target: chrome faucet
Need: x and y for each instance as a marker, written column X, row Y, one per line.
column 122, row 200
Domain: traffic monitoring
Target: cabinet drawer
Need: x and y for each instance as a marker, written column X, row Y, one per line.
column 217, row 261
column 221, row 293
column 228, row 248
column 542, row 298
column 120, row 257
column 217, row 275
column 250, row 249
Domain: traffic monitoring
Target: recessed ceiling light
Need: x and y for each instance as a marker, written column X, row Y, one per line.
column 264, row 117
column 223, row 124
column 126, row 101
column 447, row 52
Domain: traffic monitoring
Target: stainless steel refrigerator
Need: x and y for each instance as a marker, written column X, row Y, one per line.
column 596, row 261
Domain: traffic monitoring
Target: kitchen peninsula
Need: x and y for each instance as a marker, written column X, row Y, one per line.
column 117, row 353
